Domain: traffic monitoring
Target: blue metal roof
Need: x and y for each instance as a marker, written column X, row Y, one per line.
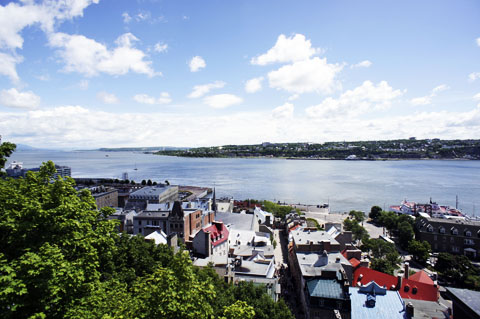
column 388, row 306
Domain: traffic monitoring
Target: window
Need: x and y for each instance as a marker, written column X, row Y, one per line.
column 454, row 231
column 429, row 228
column 468, row 233
column 139, row 223
column 455, row 249
column 468, row 242
column 441, row 230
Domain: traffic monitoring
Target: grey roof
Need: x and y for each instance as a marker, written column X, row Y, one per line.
column 256, row 268
column 244, row 250
column 312, row 264
column 426, row 309
column 302, row 237
column 387, row 306
column 150, row 214
column 325, row 288
column 151, row 190
column 469, row 297
column 237, row 221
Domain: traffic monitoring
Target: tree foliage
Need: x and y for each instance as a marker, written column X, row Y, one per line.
column 385, row 257
column 276, row 209
column 420, row 250
column 375, row 212
column 61, row 258
column 459, row 270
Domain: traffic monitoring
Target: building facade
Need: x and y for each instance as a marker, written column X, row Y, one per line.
column 453, row 236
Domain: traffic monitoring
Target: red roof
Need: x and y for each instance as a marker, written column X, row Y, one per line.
column 423, row 291
column 218, row 233
column 294, row 227
column 355, row 262
column 421, row 276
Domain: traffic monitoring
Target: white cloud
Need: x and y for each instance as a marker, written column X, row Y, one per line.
column 14, row 17
column 351, row 103
column 160, row 47
column 313, row 75
column 254, row 85
column 43, row 77
column 197, row 63
column 292, row 49
column 201, row 90
column 8, row 66
column 478, row 41
column 425, row 100
column 107, row 98
column 147, row 99
column 293, row 97
column 86, row 56
column 473, row 76
column 126, row 17
column 363, row 64
column 142, row 16
column 283, row 111
column 87, row 128
column 221, row 101
column 477, row 97
column 21, row 100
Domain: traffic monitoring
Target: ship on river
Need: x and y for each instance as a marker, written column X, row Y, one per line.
column 432, row 209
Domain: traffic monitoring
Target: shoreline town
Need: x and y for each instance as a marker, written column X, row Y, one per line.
column 314, row 259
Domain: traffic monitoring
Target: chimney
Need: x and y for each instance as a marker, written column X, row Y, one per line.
column 407, row 268
column 399, row 282
column 409, row 310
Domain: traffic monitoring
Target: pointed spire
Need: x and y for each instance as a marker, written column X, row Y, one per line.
column 214, row 205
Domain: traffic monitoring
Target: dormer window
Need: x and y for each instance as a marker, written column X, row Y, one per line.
column 441, row 230
column 430, row 228
column 468, row 233
column 454, row 231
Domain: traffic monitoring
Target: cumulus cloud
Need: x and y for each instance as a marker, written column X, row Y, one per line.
column 283, row 111
column 473, row 76
column 147, row 99
column 160, row 47
column 477, row 97
column 362, row 99
column 312, row 75
column 425, row 100
column 201, row 90
column 254, row 85
column 8, row 64
column 363, row 64
column 89, row 57
column 14, row 17
column 478, row 41
column 197, row 63
column 291, row 49
column 107, row 98
column 221, row 101
column 20, row 100
column 82, row 127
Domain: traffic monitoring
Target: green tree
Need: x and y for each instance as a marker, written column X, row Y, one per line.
column 238, row 310
column 6, row 149
column 420, row 250
column 51, row 243
column 357, row 215
column 144, row 182
column 149, row 182
column 405, row 234
column 375, row 212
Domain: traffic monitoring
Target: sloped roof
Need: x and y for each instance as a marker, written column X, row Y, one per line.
column 421, row 276
column 354, row 261
column 218, row 233
column 423, row 291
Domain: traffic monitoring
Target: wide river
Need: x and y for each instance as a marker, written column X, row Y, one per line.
column 345, row 185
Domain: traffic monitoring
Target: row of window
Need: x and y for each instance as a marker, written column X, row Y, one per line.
column 453, row 231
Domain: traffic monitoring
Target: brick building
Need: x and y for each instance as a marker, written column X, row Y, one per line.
column 455, row 236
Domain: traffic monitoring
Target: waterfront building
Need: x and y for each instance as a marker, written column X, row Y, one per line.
column 105, row 196
column 15, row 170
column 451, row 236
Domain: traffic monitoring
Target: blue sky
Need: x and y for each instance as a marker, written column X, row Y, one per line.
column 88, row 73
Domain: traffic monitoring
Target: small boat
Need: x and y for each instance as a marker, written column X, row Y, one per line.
column 135, row 169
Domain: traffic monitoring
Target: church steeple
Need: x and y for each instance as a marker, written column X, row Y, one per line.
column 214, row 204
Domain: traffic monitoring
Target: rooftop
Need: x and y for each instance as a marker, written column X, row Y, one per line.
column 325, row 288
column 218, row 233
column 237, row 221
column 469, row 298
column 151, row 190
column 387, row 306
column 304, row 237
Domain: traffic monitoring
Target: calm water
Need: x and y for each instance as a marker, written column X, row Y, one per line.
column 345, row 185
